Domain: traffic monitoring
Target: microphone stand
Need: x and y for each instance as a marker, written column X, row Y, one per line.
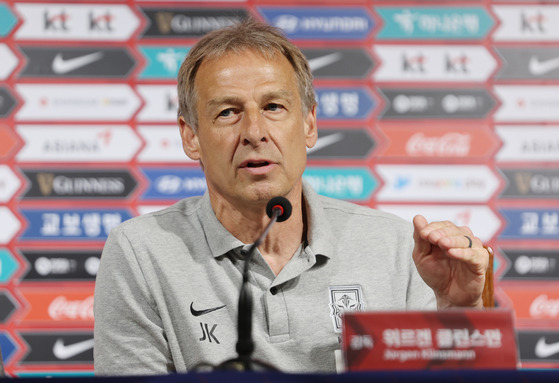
column 245, row 344
column 278, row 209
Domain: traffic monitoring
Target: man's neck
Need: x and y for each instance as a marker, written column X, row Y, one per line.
column 248, row 223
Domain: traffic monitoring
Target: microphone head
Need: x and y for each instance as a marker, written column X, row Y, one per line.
column 281, row 204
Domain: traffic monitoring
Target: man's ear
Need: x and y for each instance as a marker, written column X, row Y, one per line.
column 311, row 128
column 190, row 143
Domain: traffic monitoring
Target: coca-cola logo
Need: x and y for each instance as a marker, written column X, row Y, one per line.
column 62, row 308
column 451, row 144
column 544, row 307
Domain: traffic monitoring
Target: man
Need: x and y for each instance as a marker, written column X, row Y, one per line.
column 168, row 284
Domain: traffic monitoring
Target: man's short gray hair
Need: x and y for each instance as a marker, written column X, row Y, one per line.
column 246, row 35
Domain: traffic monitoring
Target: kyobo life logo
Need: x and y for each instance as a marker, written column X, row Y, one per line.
column 69, row 224
column 530, row 224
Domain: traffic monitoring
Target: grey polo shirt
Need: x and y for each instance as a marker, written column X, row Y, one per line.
column 166, row 293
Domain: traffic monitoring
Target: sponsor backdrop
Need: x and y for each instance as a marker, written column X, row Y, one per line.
column 448, row 109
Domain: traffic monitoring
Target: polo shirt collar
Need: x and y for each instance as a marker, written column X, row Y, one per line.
column 320, row 236
column 220, row 240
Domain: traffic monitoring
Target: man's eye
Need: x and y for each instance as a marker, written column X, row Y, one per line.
column 274, row 107
column 226, row 113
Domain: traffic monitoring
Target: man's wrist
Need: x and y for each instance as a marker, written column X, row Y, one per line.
column 443, row 304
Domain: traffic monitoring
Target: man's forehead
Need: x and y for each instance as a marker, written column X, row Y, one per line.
column 224, row 58
column 250, row 65
column 267, row 54
column 217, row 81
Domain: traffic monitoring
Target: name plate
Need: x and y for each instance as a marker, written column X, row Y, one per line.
column 413, row 340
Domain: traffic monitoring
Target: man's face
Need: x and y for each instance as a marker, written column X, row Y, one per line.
column 252, row 135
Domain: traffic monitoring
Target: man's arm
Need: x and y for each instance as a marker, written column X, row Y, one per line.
column 129, row 336
column 452, row 261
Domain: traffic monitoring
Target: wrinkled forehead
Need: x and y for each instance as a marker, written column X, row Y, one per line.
column 224, row 56
column 254, row 63
column 248, row 68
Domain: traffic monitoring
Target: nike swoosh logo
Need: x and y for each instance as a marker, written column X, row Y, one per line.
column 321, row 62
column 61, row 66
column 538, row 67
column 63, row 352
column 544, row 350
column 323, row 142
column 197, row 313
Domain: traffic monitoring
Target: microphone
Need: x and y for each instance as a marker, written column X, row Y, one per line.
column 280, row 204
column 278, row 209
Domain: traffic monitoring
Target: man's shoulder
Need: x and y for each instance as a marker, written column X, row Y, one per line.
column 337, row 209
column 179, row 213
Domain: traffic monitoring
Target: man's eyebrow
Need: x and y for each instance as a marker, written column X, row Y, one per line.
column 234, row 100
column 224, row 100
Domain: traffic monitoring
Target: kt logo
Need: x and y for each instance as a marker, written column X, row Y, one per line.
column 56, row 22
column 457, row 64
column 208, row 334
column 533, row 23
column 414, row 64
column 172, row 102
column 101, row 22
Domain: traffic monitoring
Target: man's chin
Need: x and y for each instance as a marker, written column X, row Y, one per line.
column 262, row 193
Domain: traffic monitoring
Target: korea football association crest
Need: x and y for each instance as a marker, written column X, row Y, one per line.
column 344, row 299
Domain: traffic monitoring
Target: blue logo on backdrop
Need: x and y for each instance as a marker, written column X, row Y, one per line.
column 344, row 103
column 7, row 20
column 173, row 184
column 325, row 23
column 355, row 184
column 7, row 345
column 68, row 224
column 162, row 61
column 530, row 224
column 8, row 265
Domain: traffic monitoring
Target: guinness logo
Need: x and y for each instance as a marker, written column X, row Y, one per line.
column 523, row 181
column 45, row 181
column 91, row 183
column 164, row 20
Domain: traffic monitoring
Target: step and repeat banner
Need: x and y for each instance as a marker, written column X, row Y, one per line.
column 448, row 109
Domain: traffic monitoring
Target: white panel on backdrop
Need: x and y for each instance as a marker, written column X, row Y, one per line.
column 528, row 143
column 9, row 184
column 163, row 144
column 9, row 225
column 77, row 102
column 161, row 103
column 469, row 63
column 481, row 219
column 527, row 103
column 8, row 61
column 98, row 22
column 101, row 143
column 440, row 183
column 535, row 22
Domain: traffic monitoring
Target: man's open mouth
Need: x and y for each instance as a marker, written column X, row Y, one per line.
column 257, row 164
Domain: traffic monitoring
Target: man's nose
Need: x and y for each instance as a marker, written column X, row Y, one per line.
column 253, row 128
